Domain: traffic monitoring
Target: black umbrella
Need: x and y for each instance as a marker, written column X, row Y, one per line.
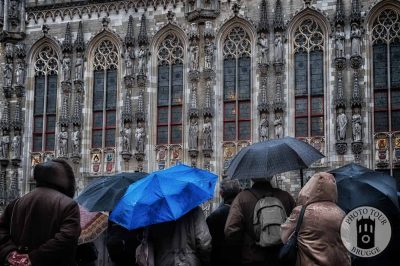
column 104, row 192
column 267, row 158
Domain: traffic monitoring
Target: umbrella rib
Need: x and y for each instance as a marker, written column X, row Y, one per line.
column 163, row 194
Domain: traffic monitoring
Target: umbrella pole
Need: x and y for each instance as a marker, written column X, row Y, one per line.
column 301, row 177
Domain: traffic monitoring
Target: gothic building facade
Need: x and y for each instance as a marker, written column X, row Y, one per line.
column 139, row 85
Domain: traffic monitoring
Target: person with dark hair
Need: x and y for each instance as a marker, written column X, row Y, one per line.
column 223, row 253
column 42, row 228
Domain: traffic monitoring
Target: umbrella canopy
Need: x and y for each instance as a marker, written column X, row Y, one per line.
column 267, row 158
column 359, row 186
column 104, row 192
column 93, row 224
column 163, row 196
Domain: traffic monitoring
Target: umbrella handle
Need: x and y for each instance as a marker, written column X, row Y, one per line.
column 301, row 177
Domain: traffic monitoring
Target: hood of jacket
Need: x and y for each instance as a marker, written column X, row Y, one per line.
column 50, row 174
column 320, row 187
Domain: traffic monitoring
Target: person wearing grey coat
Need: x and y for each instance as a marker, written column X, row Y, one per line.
column 186, row 241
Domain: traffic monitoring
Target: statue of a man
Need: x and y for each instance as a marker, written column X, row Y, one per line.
column 5, row 144
column 194, row 57
column 278, row 126
column 7, row 75
column 278, row 48
column 339, row 41
column 142, row 59
column 139, row 137
column 209, row 55
column 341, row 125
column 63, row 141
column 128, row 62
column 79, row 67
column 67, row 68
column 263, row 46
column 76, row 140
column 263, row 129
column 355, row 40
column 126, row 134
column 357, row 125
column 193, row 134
column 207, row 134
column 20, row 73
column 9, row 50
column 16, row 146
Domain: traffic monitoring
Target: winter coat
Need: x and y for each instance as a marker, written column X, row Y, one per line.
column 319, row 235
column 223, row 253
column 239, row 225
column 44, row 223
column 185, row 242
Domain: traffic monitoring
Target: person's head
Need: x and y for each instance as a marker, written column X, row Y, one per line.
column 320, row 187
column 229, row 188
column 56, row 174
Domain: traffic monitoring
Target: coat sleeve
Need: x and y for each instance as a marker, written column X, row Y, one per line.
column 64, row 241
column 234, row 226
column 287, row 228
column 6, row 243
column 203, row 238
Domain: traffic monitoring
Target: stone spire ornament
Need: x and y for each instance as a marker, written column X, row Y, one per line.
column 79, row 42
column 279, row 24
column 66, row 45
column 142, row 38
column 263, row 23
column 130, row 38
column 17, row 119
column 127, row 109
column 5, row 118
column 339, row 17
column 355, row 11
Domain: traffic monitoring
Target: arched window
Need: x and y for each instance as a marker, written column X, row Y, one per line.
column 104, row 95
column 386, row 68
column 309, row 79
column 45, row 99
column 237, row 86
column 170, row 90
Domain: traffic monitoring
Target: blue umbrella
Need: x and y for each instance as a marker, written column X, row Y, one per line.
column 163, row 196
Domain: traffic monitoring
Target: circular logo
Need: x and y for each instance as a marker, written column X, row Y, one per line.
column 365, row 231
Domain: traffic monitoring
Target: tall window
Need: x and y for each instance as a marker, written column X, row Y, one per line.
column 170, row 91
column 386, row 68
column 45, row 100
column 237, row 84
column 309, row 80
column 104, row 95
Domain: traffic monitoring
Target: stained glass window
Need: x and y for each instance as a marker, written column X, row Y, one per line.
column 237, row 86
column 45, row 100
column 104, row 95
column 309, row 79
column 170, row 91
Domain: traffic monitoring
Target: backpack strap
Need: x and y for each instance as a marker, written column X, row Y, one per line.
column 267, row 194
column 299, row 221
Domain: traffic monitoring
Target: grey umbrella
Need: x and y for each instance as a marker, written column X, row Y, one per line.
column 267, row 158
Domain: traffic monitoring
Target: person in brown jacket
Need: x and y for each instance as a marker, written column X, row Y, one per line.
column 43, row 226
column 319, row 239
column 239, row 225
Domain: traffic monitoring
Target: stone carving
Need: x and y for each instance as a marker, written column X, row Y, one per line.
column 128, row 62
column 20, row 73
column 356, row 121
column 339, row 41
column 7, row 75
column 126, row 134
column 140, row 134
column 76, row 140
column 13, row 11
column 355, row 40
column 63, row 141
column 142, row 54
column 9, row 50
column 263, row 128
column 67, row 68
column 207, row 134
column 263, row 48
column 16, row 146
column 4, row 146
column 341, row 125
column 278, row 48
column 209, row 54
column 194, row 57
column 193, row 134
column 79, row 67
column 278, row 126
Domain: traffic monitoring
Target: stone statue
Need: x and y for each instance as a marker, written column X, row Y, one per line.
column 339, row 41
column 63, row 141
column 263, row 48
column 128, row 62
column 9, row 50
column 7, row 75
column 356, row 121
column 76, row 140
column 5, row 144
column 207, row 134
column 263, row 128
column 355, row 40
column 67, row 68
column 142, row 59
column 139, row 137
column 278, row 126
column 13, row 11
column 79, row 67
column 194, row 57
column 20, row 73
column 16, row 146
column 341, row 125
column 193, row 134
column 278, row 48
column 126, row 134
column 208, row 28
column 209, row 55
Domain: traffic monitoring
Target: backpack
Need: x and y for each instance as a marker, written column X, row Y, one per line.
column 268, row 216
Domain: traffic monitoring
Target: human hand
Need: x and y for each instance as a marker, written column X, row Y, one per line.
column 17, row 259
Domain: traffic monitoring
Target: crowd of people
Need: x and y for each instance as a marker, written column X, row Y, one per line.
column 42, row 228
